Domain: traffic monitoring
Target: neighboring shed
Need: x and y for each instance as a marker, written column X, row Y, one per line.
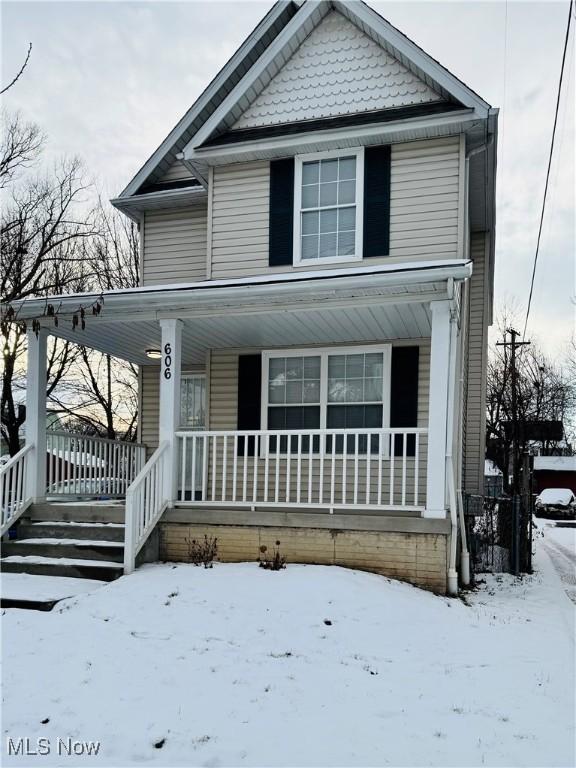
column 554, row 472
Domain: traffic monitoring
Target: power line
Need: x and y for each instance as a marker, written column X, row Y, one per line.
column 549, row 165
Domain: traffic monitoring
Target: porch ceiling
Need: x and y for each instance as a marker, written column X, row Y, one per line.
column 372, row 304
column 129, row 339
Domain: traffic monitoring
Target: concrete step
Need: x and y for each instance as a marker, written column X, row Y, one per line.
column 75, row 511
column 71, row 530
column 41, row 593
column 76, row 549
column 48, row 566
column 27, row 605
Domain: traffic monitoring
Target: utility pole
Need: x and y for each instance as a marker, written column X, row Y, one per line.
column 514, row 344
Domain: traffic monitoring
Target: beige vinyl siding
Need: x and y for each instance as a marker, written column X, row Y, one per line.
column 424, row 206
column 150, row 406
column 175, row 246
column 475, row 375
column 240, row 206
column 424, row 209
column 176, row 172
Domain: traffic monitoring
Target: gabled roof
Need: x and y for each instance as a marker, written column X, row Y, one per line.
column 250, row 50
column 262, row 56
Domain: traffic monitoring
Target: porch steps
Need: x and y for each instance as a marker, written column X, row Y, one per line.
column 69, row 549
column 74, row 540
column 103, row 532
column 61, row 566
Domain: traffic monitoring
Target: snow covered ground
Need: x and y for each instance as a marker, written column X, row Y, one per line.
column 310, row 666
column 558, row 539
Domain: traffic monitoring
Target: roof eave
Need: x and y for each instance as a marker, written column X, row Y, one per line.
column 209, row 94
column 394, row 131
column 135, row 206
column 163, row 298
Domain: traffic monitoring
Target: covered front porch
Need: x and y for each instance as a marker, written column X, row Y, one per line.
column 320, row 462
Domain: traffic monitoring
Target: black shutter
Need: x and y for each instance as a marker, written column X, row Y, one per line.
column 249, row 397
column 281, row 223
column 376, row 201
column 404, row 394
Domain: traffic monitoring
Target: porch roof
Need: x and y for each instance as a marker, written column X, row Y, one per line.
column 364, row 303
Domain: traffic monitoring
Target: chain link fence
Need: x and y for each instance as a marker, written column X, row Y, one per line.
column 499, row 533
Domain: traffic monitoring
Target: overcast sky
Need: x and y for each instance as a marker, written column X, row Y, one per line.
column 108, row 80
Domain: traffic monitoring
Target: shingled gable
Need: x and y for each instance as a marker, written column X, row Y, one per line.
column 263, row 55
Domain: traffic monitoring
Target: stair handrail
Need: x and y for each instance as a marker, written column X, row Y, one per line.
column 145, row 503
column 13, row 488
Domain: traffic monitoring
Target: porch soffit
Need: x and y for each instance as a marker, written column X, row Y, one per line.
column 321, row 321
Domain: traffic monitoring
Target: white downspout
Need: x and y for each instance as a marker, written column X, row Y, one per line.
column 452, row 572
column 456, row 510
column 464, row 554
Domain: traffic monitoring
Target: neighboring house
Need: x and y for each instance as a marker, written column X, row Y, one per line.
column 493, row 479
column 53, row 422
column 554, row 472
column 317, row 239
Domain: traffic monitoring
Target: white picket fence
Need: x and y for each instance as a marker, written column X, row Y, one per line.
column 330, row 469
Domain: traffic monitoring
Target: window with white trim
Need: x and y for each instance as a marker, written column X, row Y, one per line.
column 328, row 388
column 328, row 207
column 193, row 400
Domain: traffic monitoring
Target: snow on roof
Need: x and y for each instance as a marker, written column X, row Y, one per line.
column 490, row 469
column 555, row 463
column 556, row 496
column 79, row 458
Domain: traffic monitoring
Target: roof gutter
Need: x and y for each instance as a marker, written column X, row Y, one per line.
column 173, row 198
column 283, row 285
column 452, row 122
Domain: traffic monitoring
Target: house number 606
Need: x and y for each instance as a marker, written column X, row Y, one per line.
column 167, row 361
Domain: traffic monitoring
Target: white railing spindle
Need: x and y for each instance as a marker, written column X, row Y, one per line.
column 269, row 466
column 13, row 501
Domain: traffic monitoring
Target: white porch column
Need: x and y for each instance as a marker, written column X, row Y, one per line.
column 36, row 415
column 438, row 410
column 170, row 369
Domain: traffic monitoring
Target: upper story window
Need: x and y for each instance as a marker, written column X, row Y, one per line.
column 328, row 207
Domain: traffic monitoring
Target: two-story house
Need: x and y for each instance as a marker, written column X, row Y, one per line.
column 317, row 261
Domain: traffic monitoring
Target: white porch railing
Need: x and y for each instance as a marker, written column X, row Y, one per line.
column 145, row 502
column 80, row 465
column 13, row 488
column 330, row 469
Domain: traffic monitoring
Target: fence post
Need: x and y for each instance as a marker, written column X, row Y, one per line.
column 516, row 531
column 36, row 415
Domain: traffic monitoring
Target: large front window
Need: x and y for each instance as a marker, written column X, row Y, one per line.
column 327, row 389
column 328, row 207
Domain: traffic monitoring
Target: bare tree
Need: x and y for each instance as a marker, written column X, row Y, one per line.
column 20, row 71
column 114, row 254
column 54, row 242
column 544, row 392
column 42, row 226
column 20, row 149
column 100, row 396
